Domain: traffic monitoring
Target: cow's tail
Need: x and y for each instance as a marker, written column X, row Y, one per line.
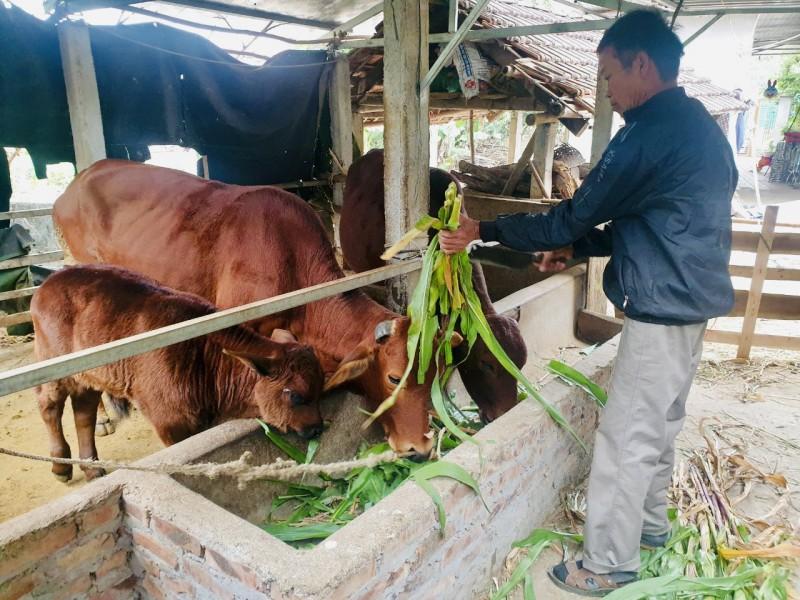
column 62, row 242
column 120, row 405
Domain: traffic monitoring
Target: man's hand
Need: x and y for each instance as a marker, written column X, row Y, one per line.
column 555, row 260
column 452, row 242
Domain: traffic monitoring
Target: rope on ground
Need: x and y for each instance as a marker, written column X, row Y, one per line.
column 241, row 469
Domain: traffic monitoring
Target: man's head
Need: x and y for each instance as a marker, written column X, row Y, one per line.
column 639, row 57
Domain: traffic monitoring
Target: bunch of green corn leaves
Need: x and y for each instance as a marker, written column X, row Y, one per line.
column 712, row 552
column 444, row 300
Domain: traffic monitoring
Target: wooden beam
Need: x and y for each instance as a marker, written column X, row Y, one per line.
column 471, row 137
column 482, row 35
column 772, row 306
column 82, row 95
column 77, row 362
column 783, row 243
column 31, row 259
column 544, row 144
column 773, row 274
column 455, row 39
column 20, row 293
column 596, row 328
column 15, row 319
column 596, row 300
column 762, row 340
column 519, row 168
column 757, row 282
column 358, row 132
column 406, row 132
column 529, row 104
column 452, row 16
column 341, row 119
column 26, row 214
column 702, row 30
column 514, row 127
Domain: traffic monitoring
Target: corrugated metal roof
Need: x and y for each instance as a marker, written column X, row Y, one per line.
column 777, row 34
column 567, row 62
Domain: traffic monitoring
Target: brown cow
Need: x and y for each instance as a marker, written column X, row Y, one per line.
column 233, row 245
column 362, row 232
column 181, row 389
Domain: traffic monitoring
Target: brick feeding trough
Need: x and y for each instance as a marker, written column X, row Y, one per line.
column 145, row 535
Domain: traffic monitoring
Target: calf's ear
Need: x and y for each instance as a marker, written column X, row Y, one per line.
column 352, row 366
column 283, row 337
column 266, row 367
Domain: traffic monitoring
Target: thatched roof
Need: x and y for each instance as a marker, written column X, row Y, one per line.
column 562, row 65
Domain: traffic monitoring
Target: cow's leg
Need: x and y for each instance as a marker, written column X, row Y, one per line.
column 104, row 424
column 172, row 433
column 84, row 405
column 51, row 398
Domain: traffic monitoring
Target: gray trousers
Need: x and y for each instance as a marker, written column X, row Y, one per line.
column 634, row 449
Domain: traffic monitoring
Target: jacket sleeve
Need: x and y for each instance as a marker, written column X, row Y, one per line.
column 604, row 195
column 597, row 242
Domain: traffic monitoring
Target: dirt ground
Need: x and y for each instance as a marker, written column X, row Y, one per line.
column 758, row 402
column 24, row 485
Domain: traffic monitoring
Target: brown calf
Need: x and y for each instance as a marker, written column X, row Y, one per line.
column 181, row 389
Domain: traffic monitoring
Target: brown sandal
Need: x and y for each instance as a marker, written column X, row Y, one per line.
column 572, row 577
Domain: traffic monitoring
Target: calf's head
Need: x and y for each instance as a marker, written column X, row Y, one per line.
column 376, row 366
column 493, row 388
column 288, row 387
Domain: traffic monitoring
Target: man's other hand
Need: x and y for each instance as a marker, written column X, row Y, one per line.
column 554, row 261
column 468, row 231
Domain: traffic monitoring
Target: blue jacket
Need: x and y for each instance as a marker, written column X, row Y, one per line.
column 665, row 184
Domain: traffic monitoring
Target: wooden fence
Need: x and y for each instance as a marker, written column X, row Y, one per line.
column 762, row 239
column 76, row 362
column 754, row 303
column 24, row 261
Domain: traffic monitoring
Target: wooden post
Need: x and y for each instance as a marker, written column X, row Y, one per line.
column 757, row 282
column 82, row 95
column 341, row 119
column 513, row 126
column 544, row 143
column 358, row 131
column 405, row 108
column 471, row 138
column 519, row 168
column 596, row 300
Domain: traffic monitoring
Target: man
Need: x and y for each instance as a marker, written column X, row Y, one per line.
column 663, row 187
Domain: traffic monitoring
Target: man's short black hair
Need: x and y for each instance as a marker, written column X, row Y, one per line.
column 645, row 31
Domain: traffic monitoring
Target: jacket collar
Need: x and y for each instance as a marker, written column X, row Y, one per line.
column 661, row 103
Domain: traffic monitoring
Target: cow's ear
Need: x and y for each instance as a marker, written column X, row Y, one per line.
column 266, row 367
column 283, row 337
column 456, row 339
column 352, row 366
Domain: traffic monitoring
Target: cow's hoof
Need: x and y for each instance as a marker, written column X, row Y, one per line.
column 63, row 477
column 104, row 427
column 93, row 473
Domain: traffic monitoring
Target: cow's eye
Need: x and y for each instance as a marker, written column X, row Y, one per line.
column 394, row 380
column 487, row 366
column 295, row 399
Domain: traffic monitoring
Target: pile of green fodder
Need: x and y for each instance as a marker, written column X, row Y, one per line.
column 714, row 551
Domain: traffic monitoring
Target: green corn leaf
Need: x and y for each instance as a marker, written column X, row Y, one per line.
column 425, row 473
column 575, row 377
column 455, row 209
column 443, row 468
column 692, row 586
column 497, row 350
column 527, row 588
column 521, row 572
column 273, row 436
column 429, row 328
column 311, row 450
column 299, row 533
column 547, row 535
column 420, row 228
column 437, row 501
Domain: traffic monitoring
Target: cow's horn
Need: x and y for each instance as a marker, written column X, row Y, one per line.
column 383, row 330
